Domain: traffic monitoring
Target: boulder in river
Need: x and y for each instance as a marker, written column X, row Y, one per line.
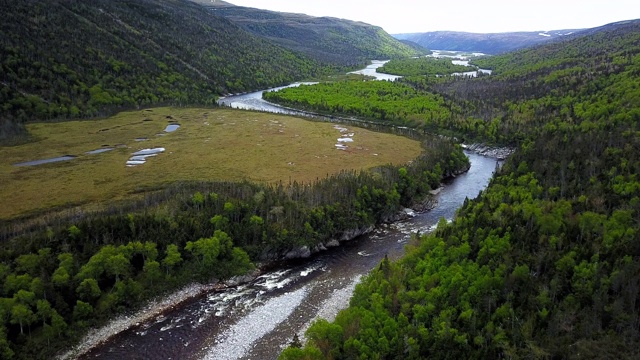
column 354, row 233
column 300, row 253
column 318, row 248
column 242, row 279
column 332, row 243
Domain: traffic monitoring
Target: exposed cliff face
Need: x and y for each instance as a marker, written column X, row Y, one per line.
column 499, row 153
column 306, row 251
column 420, row 205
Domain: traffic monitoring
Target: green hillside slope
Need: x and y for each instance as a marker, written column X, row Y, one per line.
column 546, row 262
column 339, row 41
column 68, row 59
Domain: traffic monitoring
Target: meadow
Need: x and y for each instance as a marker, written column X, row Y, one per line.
column 211, row 144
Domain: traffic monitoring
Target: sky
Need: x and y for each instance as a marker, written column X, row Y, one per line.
column 406, row 16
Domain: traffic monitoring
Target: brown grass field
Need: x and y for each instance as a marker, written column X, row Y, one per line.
column 211, row 144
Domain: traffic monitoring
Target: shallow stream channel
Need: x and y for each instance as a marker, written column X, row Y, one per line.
column 256, row 320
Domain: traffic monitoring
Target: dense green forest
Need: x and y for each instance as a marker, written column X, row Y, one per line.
column 423, row 66
column 337, row 41
column 546, row 262
column 381, row 101
column 409, row 101
column 68, row 274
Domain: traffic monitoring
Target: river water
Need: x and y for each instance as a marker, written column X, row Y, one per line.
column 258, row 319
column 254, row 101
column 371, row 71
column 461, row 58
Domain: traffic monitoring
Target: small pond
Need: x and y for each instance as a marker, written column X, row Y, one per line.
column 46, row 161
column 98, row 151
column 171, row 128
column 140, row 157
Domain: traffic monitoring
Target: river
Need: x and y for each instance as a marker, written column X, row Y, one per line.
column 258, row 319
column 461, row 58
column 254, row 101
column 371, row 71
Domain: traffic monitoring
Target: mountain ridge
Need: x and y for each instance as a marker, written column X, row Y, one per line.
column 339, row 41
column 488, row 43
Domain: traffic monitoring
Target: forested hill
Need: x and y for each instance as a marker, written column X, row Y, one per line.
column 67, row 59
column 339, row 41
column 591, row 48
column 545, row 263
column 491, row 43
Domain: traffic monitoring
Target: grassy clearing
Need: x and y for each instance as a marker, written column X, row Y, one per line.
column 211, row 144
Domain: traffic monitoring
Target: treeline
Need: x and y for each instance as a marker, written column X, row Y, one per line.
column 62, row 59
column 546, row 262
column 422, row 66
column 64, row 277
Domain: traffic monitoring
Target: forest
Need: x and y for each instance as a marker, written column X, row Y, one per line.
column 545, row 263
column 379, row 101
column 337, row 41
column 409, row 101
column 423, row 66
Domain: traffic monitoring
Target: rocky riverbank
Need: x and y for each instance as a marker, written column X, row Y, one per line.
column 500, row 153
column 124, row 322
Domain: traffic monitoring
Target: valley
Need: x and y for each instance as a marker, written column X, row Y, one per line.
column 157, row 202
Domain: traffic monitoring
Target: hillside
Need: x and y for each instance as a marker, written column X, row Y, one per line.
column 61, row 59
column 491, row 43
column 545, row 263
column 339, row 41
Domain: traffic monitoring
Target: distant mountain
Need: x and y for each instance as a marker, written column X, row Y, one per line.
column 493, row 43
column 70, row 59
column 340, row 41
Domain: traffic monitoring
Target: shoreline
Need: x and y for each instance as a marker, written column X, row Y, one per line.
column 97, row 336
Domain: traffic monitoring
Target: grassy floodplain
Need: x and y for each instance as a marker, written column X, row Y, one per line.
column 211, row 144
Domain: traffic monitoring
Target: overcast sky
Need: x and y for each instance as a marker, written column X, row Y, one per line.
column 403, row 16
